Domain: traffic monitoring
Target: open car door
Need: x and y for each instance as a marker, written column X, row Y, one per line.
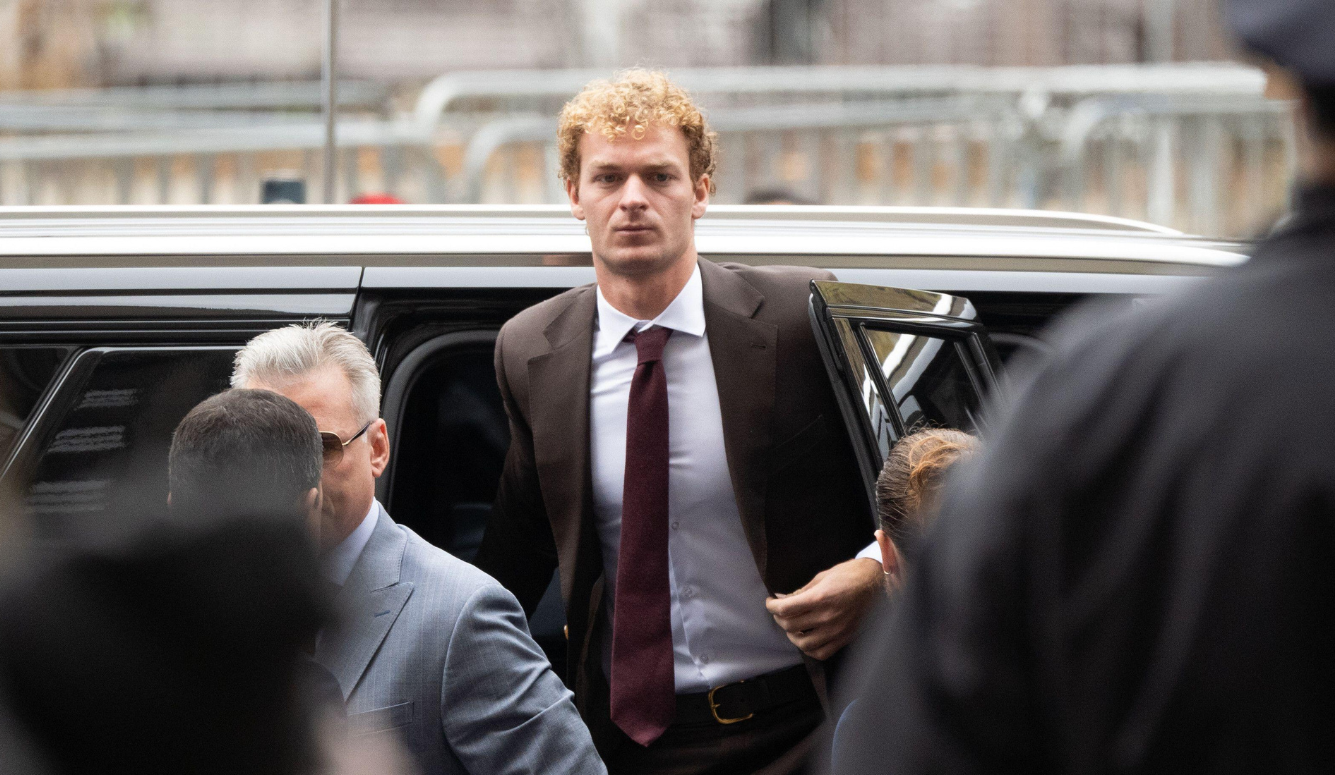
column 900, row 360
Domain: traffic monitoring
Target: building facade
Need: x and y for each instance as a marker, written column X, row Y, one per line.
column 52, row 43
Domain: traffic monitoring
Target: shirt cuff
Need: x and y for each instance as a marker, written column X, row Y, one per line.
column 872, row 552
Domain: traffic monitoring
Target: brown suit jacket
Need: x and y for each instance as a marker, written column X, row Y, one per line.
column 802, row 504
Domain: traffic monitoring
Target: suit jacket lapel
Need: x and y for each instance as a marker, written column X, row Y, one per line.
column 370, row 602
column 559, row 404
column 743, row 350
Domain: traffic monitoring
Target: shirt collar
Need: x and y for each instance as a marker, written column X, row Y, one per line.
column 338, row 563
column 686, row 314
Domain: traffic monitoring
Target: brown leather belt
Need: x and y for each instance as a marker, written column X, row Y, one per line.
column 732, row 703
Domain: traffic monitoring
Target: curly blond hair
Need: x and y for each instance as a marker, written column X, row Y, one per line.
column 625, row 107
column 909, row 486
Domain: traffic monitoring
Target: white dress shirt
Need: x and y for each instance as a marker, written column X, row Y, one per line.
column 721, row 631
column 337, row 564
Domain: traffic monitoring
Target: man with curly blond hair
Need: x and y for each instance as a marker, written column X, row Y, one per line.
column 676, row 450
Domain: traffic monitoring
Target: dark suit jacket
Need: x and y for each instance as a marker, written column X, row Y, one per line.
column 1135, row 574
column 802, row 504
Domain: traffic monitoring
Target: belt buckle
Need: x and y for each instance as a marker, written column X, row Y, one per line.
column 714, row 706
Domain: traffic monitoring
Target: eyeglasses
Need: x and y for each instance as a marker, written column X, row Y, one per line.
column 334, row 446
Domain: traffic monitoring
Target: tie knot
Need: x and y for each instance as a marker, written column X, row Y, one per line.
column 649, row 343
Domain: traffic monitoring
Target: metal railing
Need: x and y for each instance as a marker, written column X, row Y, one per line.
column 1193, row 146
column 758, row 144
column 1234, row 154
column 274, row 95
column 512, row 91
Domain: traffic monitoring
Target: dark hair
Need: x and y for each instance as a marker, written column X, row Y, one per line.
column 244, row 452
column 1321, row 99
column 910, row 481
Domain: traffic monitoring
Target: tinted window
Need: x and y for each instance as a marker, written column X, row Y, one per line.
column 927, row 379
column 106, row 454
column 25, row 373
column 883, row 421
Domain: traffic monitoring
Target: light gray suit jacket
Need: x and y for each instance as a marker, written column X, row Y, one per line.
column 439, row 652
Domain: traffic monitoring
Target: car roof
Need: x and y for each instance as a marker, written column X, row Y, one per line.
column 352, row 229
column 403, row 246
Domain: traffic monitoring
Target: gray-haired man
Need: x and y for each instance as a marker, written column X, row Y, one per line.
column 430, row 646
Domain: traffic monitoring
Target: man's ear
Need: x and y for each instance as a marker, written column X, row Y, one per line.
column 314, row 501
column 701, row 197
column 889, row 554
column 378, row 436
column 572, row 191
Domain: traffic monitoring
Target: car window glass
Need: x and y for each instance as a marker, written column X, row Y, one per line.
column 883, row 421
column 927, row 379
column 25, row 373
column 106, row 457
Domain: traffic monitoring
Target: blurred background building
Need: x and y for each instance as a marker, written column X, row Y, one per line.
column 1125, row 107
column 65, row 43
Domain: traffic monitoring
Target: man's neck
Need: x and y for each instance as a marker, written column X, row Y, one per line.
column 645, row 297
column 331, row 535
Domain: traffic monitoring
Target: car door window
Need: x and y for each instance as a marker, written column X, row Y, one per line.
column 926, row 378
column 876, row 419
column 100, row 455
column 25, row 374
column 900, row 360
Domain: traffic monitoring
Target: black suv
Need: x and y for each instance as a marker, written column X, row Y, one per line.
column 115, row 322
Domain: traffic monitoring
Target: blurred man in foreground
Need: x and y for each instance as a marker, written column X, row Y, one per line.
column 1138, row 575
column 177, row 653
column 429, row 648
column 255, row 454
column 179, row 650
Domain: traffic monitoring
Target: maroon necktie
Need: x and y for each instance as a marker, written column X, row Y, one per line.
column 643, row 689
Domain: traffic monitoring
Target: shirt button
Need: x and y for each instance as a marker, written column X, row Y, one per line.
column 686, row 593
column 704, row 659
column 675, row 524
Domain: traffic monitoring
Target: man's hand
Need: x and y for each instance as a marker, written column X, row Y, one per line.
column 823, row 616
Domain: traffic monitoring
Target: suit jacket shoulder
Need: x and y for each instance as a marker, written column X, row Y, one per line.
column 458, row 676
column 533, row 332
column 776, row 275
column 525, row 331
column 785, row 290
column 440, row 577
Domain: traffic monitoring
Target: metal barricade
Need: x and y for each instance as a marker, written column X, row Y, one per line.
column 1195, row 161
column 543, row 91
column 1193, row 146
column 1196, row 147
column 184, row 167
column 839, row 153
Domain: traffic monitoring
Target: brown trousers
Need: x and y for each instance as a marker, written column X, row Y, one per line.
column 781, row 741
